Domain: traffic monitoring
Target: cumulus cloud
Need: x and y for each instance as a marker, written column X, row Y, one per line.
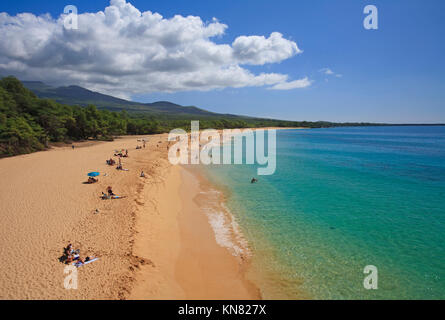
column 301, row 83
column 124, row 51
column 260, row 50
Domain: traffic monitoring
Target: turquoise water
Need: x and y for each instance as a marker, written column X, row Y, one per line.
column 341, row 199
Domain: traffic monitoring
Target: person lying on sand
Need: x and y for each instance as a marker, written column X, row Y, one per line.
column 92, row 180
column 107, row 197
column 72, row 257
column 81, row 262
column 111, row 162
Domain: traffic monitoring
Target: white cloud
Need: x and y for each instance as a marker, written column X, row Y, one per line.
column 301, row 83
column 328, row 71
column 260, row 50
column 123, row 51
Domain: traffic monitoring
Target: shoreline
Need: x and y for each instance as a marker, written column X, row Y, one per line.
column 224, row 233
column 192, row 265
column 158, row 243
column 150, row 245
column 206, row 267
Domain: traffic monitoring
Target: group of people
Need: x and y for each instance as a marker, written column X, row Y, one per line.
column 70, row 255
column 143, row 144
column 120, row 167
column 109, row 192
column 73, row 256
column 110, row 195
column 112, row 162
column 121, row 154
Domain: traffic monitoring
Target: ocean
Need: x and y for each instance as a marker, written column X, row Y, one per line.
column 342, row 199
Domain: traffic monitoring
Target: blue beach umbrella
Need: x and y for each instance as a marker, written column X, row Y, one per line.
column 93, row 174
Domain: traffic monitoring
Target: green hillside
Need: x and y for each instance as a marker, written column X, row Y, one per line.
column 75, row 95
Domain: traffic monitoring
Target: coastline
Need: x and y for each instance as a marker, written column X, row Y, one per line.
column 155, row 244
column 191, row 264
column 212, row 256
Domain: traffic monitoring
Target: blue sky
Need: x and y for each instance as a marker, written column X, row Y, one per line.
column 393, row 74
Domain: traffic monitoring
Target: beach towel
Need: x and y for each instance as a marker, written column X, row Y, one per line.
column 79, row 264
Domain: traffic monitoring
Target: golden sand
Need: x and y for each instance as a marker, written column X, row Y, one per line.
column 155, row 244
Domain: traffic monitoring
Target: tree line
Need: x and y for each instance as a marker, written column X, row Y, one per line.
column 28, row 123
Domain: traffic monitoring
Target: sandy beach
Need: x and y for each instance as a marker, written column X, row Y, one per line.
column 155, row 244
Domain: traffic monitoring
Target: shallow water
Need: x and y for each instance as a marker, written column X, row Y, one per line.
column 341, row 199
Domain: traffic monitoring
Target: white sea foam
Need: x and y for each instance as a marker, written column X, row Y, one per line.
column 225, row 228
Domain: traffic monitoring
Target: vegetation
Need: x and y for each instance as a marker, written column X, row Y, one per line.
column 29, row 123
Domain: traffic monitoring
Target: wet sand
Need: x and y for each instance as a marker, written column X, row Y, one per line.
column 203, row 269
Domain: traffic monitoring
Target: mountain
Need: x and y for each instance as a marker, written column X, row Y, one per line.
column 161, row 110
column 75, row 95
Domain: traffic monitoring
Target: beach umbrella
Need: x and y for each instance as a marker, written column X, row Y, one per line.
column 93, row 174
